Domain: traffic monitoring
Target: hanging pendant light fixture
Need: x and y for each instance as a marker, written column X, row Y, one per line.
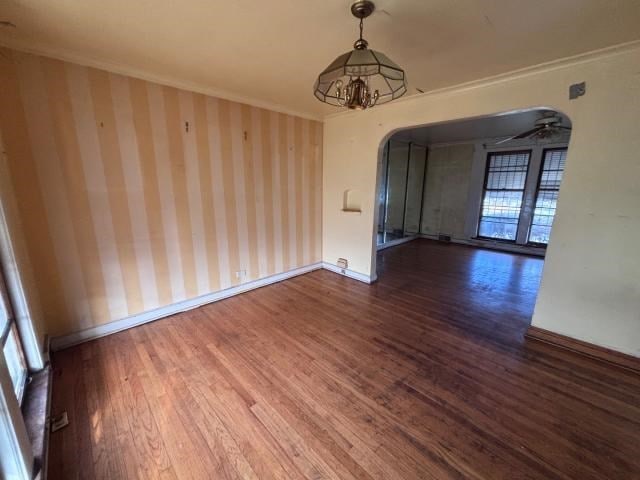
column 360, row 78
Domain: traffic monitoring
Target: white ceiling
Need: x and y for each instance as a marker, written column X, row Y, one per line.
column 506, row 125
column 270, row 52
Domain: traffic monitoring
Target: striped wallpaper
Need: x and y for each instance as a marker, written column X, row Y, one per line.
column 134, row 195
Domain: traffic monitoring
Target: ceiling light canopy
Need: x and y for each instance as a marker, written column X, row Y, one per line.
column 360, row 78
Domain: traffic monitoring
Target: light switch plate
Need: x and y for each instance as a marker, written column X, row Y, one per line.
column 59, row 421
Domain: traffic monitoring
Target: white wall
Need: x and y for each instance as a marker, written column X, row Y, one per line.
column 446, row 197
column 591, row 282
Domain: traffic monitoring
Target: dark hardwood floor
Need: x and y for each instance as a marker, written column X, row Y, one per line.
column 423, row 375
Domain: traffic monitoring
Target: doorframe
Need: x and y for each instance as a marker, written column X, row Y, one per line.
column 13, row 277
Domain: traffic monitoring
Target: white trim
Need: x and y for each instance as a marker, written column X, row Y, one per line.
column 348, row 273
column 536, row 153
column 397, row 241
column 488, row 244
column 21, row 308
column 58, row 343
column 169, row 81
column 529, row 194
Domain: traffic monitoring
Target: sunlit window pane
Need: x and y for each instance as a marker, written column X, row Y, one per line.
column 4, row 312
column 547, row 197
column 15, row 361
column 503, row 191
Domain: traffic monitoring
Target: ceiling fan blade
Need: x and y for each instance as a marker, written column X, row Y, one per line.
column 562, row 128
column 504, row 141
column 528, row 133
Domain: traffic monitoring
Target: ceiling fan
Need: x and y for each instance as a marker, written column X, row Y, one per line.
column 546, row 126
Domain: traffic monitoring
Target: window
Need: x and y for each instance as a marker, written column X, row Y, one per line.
column 547, row 195
column 15, row 361
column 10, row 343
column 504, row 185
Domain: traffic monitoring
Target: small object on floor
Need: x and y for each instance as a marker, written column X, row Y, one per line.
column 59, row 421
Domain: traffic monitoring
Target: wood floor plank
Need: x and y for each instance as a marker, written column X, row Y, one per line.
column 377, row 364
column 363, row 429
column 229, row 455
column 273, row 389
column 153, row 460
column 74, row 441
column 422, row 375
column 107, row 463
column 189, row 456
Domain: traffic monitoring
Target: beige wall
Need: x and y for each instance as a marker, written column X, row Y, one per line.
column 447, row 190
column 124, row 208
column 591, row 282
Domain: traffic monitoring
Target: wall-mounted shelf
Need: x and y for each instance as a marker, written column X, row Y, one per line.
column 352, row 211
column 351, row 202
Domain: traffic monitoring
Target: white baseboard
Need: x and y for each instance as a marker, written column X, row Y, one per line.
column 348, row 273
column 58, row 343
column 398, row 241
column 488, row 244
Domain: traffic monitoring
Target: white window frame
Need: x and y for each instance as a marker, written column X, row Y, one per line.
column 16, row 458
column 514, row 151
column 476, row 189
column 536, row 192
column 21, row 309
column 16, row 461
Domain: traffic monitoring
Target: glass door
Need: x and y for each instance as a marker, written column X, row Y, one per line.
column 397, row 171
column 415, row 185
column 382, row 192
column 400, row 191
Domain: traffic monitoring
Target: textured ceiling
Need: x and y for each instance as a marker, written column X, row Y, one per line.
column 271, row 51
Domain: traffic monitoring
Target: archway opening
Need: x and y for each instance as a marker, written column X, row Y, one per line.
column 479, row 196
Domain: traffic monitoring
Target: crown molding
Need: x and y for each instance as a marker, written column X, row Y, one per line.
column 122, row 69
column 550, row 66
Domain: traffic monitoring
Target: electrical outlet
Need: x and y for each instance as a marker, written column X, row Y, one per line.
column 241, row 273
